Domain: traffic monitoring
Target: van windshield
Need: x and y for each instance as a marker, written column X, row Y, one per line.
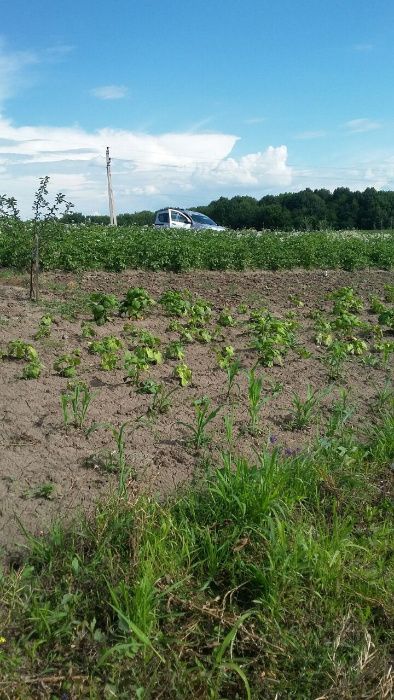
column 202, row 219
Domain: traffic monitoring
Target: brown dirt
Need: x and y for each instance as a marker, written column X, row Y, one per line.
column 36, row 448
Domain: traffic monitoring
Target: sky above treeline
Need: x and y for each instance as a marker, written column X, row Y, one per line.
column 195, row 99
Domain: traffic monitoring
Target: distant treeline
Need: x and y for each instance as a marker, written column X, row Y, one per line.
column 306, row 211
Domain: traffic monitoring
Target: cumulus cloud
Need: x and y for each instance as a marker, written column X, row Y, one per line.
column 109, row 92
column 148, row 170
column 359, row 126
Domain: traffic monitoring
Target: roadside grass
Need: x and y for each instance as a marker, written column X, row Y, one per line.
column 270, row 578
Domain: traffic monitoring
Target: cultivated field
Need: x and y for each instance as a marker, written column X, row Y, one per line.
column 196, row 482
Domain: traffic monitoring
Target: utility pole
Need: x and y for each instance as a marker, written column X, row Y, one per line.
column 112, row 215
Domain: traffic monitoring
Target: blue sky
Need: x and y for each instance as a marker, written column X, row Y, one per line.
column 195, row 99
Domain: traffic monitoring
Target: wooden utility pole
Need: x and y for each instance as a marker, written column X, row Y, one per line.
column 112, row 215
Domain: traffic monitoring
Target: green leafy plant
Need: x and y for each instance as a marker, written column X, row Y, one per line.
column 386, row 318
column 389, row 292
column 149, row 386
column 101, row 306
column 109, row 343
column 335, row 358
column 87, row 330
column 175, row 350
column 226, row 319
column 19, row 350
column 44, row 327
column 66, row 364
column 225, row 356
column 272, row 337
column 32, row 370
column 175, row 303
column 345, row 299
column 183, row 373
column 44, row 491
column 136, row 302
column 203, row 415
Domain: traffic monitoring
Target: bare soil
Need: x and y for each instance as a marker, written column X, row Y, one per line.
column 36, row 447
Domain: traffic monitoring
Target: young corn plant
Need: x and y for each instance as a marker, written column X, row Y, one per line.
column 203, row 416
column 232, row 371
column 304, row 410
column 255, row 401
column 161, row 401
column 75, row 403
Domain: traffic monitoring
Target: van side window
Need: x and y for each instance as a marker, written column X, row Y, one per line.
column 177, row 216
column 164, row 218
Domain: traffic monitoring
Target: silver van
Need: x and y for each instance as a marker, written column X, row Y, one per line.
column 172, row 217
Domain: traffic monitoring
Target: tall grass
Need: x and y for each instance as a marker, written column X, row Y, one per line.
column 270, row 579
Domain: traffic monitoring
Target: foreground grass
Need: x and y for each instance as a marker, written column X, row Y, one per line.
column 269, row 579
column 101, row 247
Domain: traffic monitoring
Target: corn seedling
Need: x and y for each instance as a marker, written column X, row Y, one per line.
column 232, row 371
column 75, row 403
column 161, row 402
column 255, row 401
column 203, row 416
column 340, row 413
column 304, row 410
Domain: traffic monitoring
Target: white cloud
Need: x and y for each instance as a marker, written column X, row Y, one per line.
column 359, row 126
column 109, row 92
column 12, row 65
column 148, row 170
column 362, row 47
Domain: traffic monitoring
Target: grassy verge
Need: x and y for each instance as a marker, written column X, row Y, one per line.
column 269, row 579
column 102, row 247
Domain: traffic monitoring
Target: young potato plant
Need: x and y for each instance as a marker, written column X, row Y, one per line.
column 136, row 302
column 176, row 303
column 226, row 319
column 44, row 327
column 139, row 360
column 183, row 374
column 87, row 330
column 386, row 318
column 175, row 350
column 108, row 348
column 345, row 299
column 19, row 350
column 102, row 305
column 66, row 364
column 225, row 356
column 272, row 337
column 32, row 370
